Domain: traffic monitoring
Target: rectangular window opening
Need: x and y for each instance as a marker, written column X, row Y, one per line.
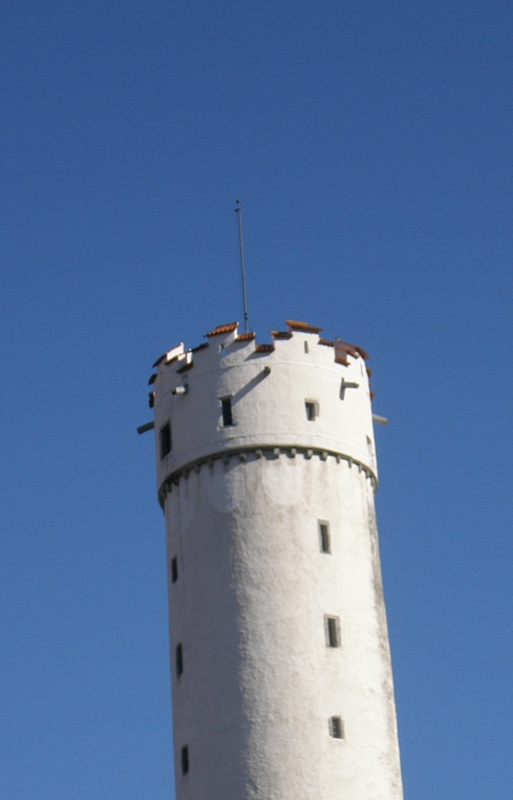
column 174, row 569
column 311, row 410
column 226, row 403
column 337, row 728
column 165, row 440
column 185, row 759
column 332, row 631
column 306, row 347
column 179, row 659
column 324, row 537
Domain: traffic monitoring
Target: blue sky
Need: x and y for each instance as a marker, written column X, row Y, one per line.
column 370, row 143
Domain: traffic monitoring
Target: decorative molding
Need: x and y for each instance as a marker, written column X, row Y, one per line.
column 270, row 452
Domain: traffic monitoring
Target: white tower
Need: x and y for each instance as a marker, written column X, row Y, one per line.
column 281, row 674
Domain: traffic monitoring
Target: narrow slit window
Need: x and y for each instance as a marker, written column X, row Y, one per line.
column 174, row 569
column 311, row 411
column 337, row 728
column 370, row 447
column 324, row 537
column 179, row 659
column 165, row 440
column 185, row 759
column 226, row 403
column 332, row 631
column 306, row 347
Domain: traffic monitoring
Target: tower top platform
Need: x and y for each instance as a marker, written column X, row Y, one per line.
column 300, row 393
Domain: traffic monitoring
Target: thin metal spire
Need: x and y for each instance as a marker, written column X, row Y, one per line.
column 243, row 267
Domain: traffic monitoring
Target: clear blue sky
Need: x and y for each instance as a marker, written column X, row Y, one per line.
column 371, row 144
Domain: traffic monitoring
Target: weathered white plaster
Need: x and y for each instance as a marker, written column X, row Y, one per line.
column 268, row 409
column 259, row 683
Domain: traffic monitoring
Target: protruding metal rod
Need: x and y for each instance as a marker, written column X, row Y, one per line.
column 243, row 268
column 147, row 427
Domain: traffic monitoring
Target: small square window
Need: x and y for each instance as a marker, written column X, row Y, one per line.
column 185, row 759
column 332, row 628
column 324, row 537
column 165, row 440
column 174, row 569
column 336, row 728
column 311, row 409
column 226, row 403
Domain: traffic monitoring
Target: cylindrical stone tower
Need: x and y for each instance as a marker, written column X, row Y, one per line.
column 281, row 674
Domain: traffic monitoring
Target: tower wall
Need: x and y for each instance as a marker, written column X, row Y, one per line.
column 250, row 588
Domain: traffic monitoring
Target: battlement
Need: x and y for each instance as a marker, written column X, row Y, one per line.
column 225, row 340
column 232, row 394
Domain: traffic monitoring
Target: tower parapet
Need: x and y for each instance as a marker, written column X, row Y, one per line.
column 302, row 394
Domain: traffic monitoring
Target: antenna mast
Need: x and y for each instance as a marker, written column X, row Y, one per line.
column 243, row 267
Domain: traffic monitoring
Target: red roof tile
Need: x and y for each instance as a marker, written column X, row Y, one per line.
column 362, row 352
column 304, row 327
column 264, row 348
column 327, row 342
column 223, row 329
column 245, row 337
column 344, row 349
column 282, row 334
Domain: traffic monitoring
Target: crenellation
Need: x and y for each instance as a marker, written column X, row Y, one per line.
column 232, row 341
column 256, row 405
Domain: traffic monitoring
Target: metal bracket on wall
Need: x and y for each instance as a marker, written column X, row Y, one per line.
column 148, row 426
column 347, row 385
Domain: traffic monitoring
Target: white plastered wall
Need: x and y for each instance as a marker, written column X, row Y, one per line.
column 259, row 683
column 269, row 409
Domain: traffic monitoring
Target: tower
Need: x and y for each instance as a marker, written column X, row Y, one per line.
column 281, row 673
